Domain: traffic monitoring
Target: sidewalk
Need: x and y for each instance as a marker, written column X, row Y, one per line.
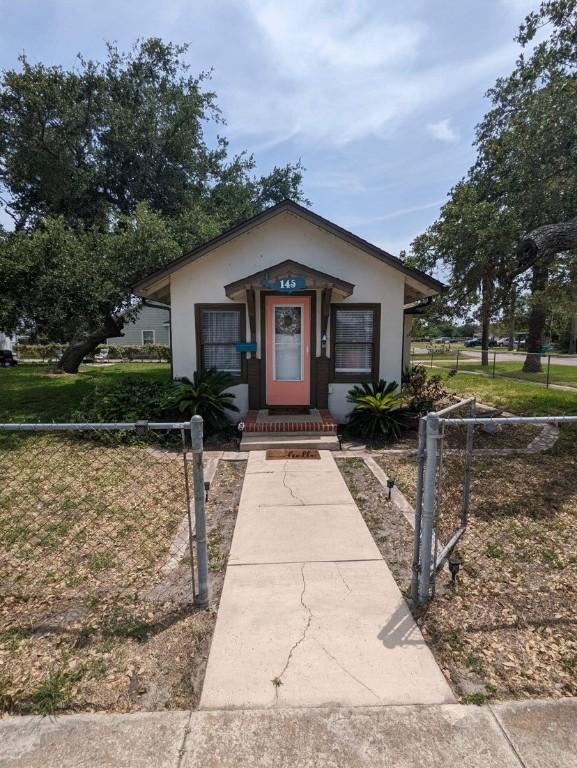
column 310, row 614
column 510, row 735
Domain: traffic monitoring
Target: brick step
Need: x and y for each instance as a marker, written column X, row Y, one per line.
column 262, row 442
column 258, row 422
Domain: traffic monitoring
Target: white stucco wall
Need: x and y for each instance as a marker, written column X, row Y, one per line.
column 287, row 236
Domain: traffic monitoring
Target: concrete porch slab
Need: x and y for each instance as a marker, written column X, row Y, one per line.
column 325, row 633
column 285, row 534
column 259, row 463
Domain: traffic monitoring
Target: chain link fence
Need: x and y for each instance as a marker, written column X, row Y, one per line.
column 494, row 550
column 99, row 510
column 484, row 488
column 543, row 368
column 99, row 538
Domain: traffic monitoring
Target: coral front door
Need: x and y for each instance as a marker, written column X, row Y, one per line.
column 288, row 349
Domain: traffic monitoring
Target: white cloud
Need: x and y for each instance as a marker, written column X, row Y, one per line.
column 331, row 73
column 443, row 131
column 399, row 212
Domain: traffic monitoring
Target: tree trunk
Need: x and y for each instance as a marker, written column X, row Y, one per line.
column 548, row 239
column 536, row 250
column 573, row 335
column 537, row 319
column 511, row 319
column 83, row 345
column 485, row 316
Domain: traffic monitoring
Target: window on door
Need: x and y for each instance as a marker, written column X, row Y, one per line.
column 148, row 337
column 288, row 355
column 355, row 342
column 219, row 329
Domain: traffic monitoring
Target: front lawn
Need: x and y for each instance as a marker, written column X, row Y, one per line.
column 514, row 396
column 564, row 375
column 95, row 583
column 29, row 393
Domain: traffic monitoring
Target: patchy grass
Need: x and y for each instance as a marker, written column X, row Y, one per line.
column 29, row 393
column 392, row 533
column 509, row 628
column 89, row 617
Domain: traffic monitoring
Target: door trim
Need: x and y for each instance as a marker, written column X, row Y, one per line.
column 313, row 343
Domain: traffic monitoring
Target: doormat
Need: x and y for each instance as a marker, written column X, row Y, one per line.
column 289, row 410
column 292, row 453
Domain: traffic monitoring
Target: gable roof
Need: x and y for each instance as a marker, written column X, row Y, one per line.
column 304, row 213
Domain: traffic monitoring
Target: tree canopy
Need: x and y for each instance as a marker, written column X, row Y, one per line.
column 524, row 176
column 108, row 175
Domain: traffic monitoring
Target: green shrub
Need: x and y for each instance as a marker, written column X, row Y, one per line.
column 207, row 396
column 423, row 392
column 378, row 410
column 132, row 399
column 44, row 352
column 130, row 352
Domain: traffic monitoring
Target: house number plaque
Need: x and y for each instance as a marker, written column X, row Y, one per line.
column 286, row 284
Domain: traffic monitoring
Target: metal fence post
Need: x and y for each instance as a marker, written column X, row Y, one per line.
column 457, row 366
column 427, row 518
column 548, row 370
column 418, row 510
column 468, row 464
column 432, row 353
column 494, row 361
column 199, row 512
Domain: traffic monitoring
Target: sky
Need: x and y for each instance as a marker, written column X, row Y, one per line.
column 377, row 98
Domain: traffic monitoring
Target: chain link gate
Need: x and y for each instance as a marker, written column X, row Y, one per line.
column 92, row 513
column 429, row 552
column 434, row 543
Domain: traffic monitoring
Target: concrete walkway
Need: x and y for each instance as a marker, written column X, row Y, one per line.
column 524, row 734
column 310, row 615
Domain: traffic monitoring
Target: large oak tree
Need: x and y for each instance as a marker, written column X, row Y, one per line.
column 108, row 174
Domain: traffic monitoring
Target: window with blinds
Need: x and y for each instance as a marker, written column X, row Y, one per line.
column 354, row 342
column 219, row 331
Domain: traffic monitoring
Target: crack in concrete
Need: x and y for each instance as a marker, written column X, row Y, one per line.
column 277, row 681
column 347, row 672
column 342, row 577
column 290, row 490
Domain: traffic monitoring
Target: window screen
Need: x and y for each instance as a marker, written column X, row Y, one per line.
column 148, row 337
column 354, row 341
column 220, row 331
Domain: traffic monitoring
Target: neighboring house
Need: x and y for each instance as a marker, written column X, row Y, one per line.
column 296, row 308
column 152, row 326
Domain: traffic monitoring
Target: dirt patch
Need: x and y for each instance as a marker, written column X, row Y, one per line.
column 88, row 620
column 509, row 628
column 392, row 533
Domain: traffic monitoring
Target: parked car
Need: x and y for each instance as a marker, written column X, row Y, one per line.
column 478, row 342
column 503, row 341
column 7, row 359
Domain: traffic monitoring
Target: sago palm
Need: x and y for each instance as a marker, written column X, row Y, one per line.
column 207, row 395
column 377, row 409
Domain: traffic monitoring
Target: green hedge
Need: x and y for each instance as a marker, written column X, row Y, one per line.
column 44, row 352
column 47, row 352
column 160, row 352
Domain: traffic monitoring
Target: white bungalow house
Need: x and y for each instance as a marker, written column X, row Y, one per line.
column 298, row 310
